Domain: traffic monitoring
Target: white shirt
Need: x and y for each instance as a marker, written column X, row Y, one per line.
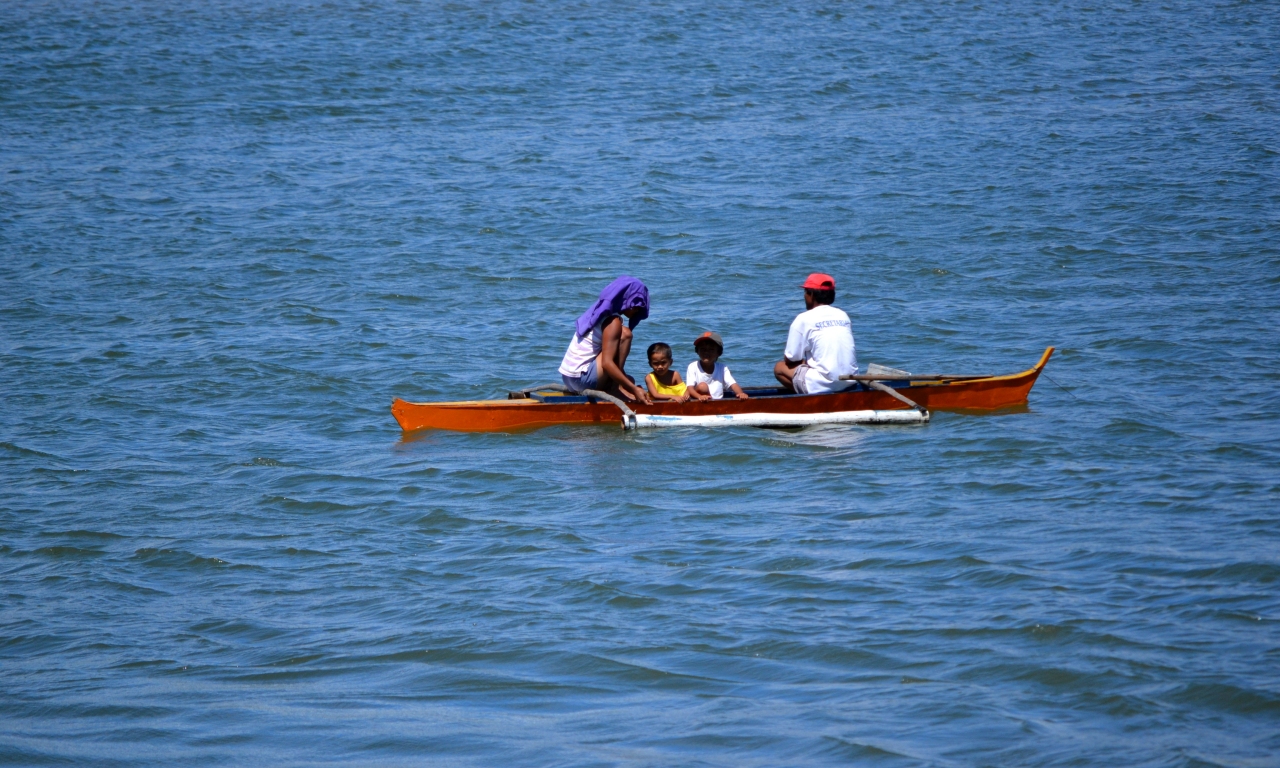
column 717, row 381
column 823, row 339
column 578, row 357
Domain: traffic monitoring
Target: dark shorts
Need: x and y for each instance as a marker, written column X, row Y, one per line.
column 590, row 379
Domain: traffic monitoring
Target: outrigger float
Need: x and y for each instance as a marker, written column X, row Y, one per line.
column 895, row 397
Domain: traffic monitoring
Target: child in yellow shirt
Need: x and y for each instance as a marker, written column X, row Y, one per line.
column 664, row 383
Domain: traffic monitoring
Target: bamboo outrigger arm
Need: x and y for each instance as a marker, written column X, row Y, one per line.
column 891, row 392
column 628, row 415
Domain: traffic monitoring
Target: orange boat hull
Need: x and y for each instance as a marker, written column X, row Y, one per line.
column 510, row 415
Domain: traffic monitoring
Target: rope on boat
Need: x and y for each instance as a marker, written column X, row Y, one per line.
column 920, row 377
column 628, row 415
column 521, row 394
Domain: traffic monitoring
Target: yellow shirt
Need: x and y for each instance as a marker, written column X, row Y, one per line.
column 677, row 390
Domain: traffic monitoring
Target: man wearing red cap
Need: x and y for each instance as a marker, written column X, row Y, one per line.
column 820, row 344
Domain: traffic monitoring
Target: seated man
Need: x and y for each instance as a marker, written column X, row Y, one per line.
column 820, row 344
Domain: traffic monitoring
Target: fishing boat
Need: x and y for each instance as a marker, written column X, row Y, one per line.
column 893, row 397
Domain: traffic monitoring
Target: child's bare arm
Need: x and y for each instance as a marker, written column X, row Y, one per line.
column 676, row 381
column 649, row 385
column 737, row 390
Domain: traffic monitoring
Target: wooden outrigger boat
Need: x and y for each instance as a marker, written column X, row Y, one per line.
column 876, row 399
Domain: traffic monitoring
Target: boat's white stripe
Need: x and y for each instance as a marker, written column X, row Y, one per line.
column 783, row 419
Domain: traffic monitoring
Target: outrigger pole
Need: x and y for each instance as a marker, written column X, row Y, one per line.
column 632, row 420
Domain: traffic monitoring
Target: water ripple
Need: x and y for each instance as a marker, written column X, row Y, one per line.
column 234, row 232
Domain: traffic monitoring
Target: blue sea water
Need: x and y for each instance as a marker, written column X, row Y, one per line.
column 232, row 232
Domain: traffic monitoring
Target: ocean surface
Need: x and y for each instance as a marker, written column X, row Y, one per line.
column 232, row 232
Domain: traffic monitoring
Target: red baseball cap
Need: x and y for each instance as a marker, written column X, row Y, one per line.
column 820, row 282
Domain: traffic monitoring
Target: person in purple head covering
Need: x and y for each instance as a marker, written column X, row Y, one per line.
column 597, row 356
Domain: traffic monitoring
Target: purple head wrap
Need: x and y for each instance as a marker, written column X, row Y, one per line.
column 622, row 294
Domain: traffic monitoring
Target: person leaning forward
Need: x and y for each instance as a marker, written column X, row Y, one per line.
column 820, row 346
column 597, row 355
